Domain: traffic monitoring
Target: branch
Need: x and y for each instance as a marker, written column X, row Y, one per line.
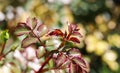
column 50, row 56
column 3, row 47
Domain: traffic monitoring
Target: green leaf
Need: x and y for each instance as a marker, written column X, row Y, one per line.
column 28, row 41
column 40, row 52
column 74, row 39
column 51, row 63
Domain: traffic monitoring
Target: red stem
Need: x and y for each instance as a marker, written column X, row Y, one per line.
column 46, row 61
column 50, row 56
column 4, row 55
column 69, row 35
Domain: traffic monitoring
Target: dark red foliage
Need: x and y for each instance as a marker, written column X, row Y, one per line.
column 56, row 32
column 70, row 59
column 74, row 39
column 71, row 62
column 72, row 27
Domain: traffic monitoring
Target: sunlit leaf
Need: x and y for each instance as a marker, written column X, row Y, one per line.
column 74, row 39
column 74, row 52
column 42, row 29
column 20, row 31
column 56, row 32
column 28, row 41
column 40, row 51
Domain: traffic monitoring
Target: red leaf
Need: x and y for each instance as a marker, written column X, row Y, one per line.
column 60, row 59
column 82, row 64
column 71, row 68
column 77, row 33
column 21, row 24
column 56, row 32
column 74, row 39
column 72, row 27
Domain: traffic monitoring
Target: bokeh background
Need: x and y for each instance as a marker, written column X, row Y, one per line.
column 98, row 20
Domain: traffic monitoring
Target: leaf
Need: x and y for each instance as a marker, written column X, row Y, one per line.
column 56, row 32
column 72, row 27
column 79, row 61
column 29, row 23
column 77, row 33
column 21, row 24
column 32, row 23
column 60, row 60
column 82, row 64
column 21, row 31
column 74, row 68
column 40, row 52
column 35, row 22
column 28, row 41
column 42, row 29
column 74, row 39
column 71, row 68
column 74, row 52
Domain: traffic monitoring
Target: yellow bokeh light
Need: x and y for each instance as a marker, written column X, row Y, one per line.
column 101, row 47
column 114, row 40
column 109, row 56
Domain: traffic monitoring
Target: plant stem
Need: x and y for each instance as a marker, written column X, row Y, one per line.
column 46, row 61
column 3, row 47
column 68, row 35
column 50, row 56
column 5, row 54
